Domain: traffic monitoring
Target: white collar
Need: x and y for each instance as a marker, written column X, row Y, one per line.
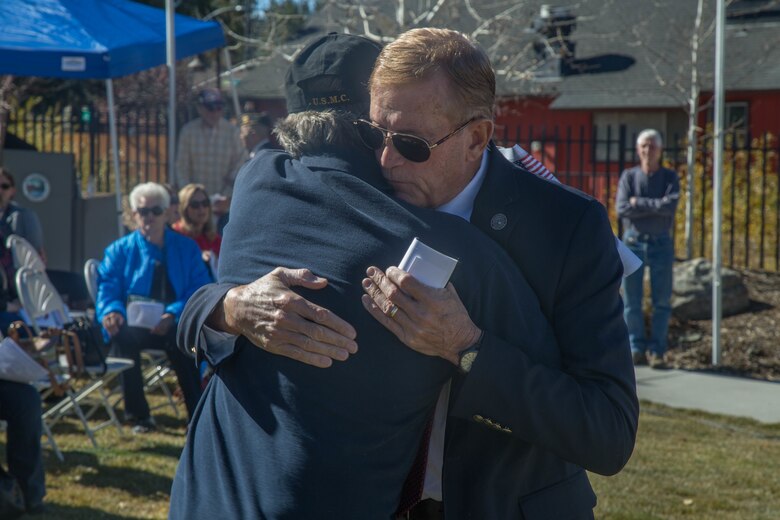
column 463, row 203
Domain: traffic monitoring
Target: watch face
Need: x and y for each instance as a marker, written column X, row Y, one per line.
column 467, row 360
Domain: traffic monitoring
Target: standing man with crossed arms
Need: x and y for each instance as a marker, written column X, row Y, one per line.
column 647, row 199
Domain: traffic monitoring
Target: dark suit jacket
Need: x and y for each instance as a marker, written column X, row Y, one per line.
column 570, row 409
column 274, row 438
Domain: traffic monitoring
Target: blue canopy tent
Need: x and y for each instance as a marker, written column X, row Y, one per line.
column 96, row 39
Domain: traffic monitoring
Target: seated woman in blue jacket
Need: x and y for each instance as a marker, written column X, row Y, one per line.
column 152, row 264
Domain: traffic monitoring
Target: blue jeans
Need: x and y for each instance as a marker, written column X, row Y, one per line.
column 657, row 254
column 128, row 343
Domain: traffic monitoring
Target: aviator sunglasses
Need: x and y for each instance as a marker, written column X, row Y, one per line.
column 411, row 147
column 144, row 212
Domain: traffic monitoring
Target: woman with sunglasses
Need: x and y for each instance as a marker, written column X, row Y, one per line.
column 152, row 264
column 196, row 221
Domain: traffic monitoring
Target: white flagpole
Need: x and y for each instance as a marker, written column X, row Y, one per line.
column 718, row 178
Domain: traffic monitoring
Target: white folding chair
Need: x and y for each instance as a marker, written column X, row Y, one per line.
column 24, row 254
column 45, row 388
column 40, row 299
column 91, row 277
column 155, row 362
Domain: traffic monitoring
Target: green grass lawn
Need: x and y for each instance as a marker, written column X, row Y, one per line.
column 689, row 464
column 686, row 465
column 128, row 476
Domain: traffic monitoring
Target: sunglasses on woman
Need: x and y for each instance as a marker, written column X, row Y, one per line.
column 145, row 212
column 411, row 147
column 197, row 204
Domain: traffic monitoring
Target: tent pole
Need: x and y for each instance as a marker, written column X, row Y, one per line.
column 170, row 59
column 115, row 153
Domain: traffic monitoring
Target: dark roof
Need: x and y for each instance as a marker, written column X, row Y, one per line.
column 658, row 36
column 265, row 79
column 628, row 53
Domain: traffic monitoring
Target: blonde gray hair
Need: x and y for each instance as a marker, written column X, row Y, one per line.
column 418, row 54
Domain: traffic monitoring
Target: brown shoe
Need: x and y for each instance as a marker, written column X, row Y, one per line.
column 656, row 361
column 639, row 358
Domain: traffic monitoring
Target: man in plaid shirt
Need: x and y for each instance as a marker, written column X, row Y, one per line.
column 210, row 148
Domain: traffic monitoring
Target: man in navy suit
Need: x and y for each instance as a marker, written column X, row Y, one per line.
column 276, row 438
column 580, row 414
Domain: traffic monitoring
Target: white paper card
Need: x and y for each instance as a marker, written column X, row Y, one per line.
column 17, row 365
column 144, row 314
column 630, row 261
column 428, row 265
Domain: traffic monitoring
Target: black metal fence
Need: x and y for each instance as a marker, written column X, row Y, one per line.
column 592, row 162
column 142, row 135
column 585, row 158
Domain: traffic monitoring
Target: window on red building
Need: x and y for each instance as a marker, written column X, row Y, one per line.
column 735, row 120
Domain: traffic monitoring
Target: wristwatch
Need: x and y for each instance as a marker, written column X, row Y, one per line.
column 466, row 357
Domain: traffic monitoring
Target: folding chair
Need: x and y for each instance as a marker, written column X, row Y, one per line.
column 91, row 277
column 44, row 387
column 156, row 365
column 40, row 299
column 24, row 254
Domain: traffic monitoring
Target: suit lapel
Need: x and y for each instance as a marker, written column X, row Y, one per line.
column 499, row 190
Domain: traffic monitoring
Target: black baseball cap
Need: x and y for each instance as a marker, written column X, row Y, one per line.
column 210, row 98
column 331, row 73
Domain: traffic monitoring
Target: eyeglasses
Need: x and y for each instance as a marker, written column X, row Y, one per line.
column 196, row 204
column 5, row 186
column 145, row 212
column 213, row 108
column 411, row 147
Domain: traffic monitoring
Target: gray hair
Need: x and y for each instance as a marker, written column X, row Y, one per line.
column 307, row 132
column 651, row 134
column 150, row 191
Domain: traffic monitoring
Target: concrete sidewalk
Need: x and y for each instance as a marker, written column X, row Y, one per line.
column 720, row 394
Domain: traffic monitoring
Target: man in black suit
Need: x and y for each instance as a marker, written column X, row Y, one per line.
column 581, row 413
column 275, row 438
column 256, row 132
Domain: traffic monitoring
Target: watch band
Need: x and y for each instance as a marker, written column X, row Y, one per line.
column 467, row 357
